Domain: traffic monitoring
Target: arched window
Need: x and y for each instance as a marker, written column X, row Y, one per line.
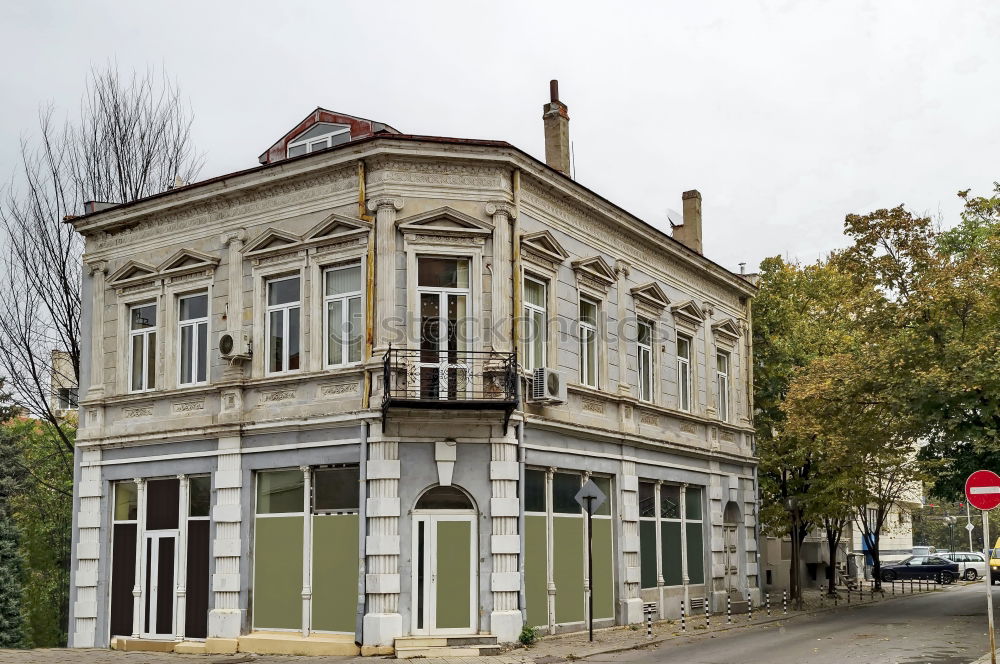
column 444, row 498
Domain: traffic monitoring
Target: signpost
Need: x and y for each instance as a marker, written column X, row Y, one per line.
column 591, row 498
column 982, row 490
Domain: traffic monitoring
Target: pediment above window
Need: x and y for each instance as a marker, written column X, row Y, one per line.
column 272, row 241
column 542, row 246
column 594, row 272
column 650, row 296
column 131, row 273
column 688, row 312
column 445, row 222
column 336, row 227
column 186, row 261
column 728, row 328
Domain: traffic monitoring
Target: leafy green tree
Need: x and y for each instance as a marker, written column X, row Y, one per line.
column 11, row 619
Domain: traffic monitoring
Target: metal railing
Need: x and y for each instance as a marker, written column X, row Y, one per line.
column 449, row 378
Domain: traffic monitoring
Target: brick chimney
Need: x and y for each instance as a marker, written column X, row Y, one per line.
column 555, row 115
column 689, row 232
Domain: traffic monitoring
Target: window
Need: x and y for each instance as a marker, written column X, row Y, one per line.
column 199, row 496
column 126, row 501
column 67, row 397
column 565, row 486
column 534, row 491
column 335, row 490
column 443, row 289
column 142, row 341
column 344, row 318
column 535, row 323
column 319, row 137
column 722, row 383
column 283, row 325
column 193, row 335
column 684, row 372
column 280, row 492
column 644, row 340
column 588, row 343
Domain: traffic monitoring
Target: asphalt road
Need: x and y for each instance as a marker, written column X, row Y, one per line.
column 946, row 627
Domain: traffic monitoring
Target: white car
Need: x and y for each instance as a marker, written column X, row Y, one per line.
column 971, row 566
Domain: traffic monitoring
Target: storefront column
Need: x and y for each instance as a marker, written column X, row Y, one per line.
column 631, row 601
column 225, row 620
column 685, row 579
column 505, row 543
column 660, row 590
column 382, row 622
column 181, row 554
column 550, row 584
column 140, row 558
column 306, row 551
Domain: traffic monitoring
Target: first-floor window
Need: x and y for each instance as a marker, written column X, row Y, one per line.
column 283, row 306
column 344, row 319
column 193, row 334
column 644, row 344
column 142, row 343
column 722, row 380
column 664, row 514
column 588, row 342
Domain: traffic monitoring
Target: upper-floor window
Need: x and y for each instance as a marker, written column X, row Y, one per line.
column 722, row 383
column 588, row 342
column 344, row 319
column 535, row 323
column 142, row 344
column 66, row 398
column 445, row 325
column 193, row 335
column 319, row 137
column 283, row 307
column 684, row 372
column 644, row 343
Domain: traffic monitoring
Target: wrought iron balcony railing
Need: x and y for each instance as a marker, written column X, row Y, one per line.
column 455, row 379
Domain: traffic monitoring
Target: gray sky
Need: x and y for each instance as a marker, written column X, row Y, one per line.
column 786, row 115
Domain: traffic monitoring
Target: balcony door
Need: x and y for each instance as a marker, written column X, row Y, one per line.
column 445, row 323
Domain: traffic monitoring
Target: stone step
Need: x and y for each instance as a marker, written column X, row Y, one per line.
column 447, row 651
column 443, row 641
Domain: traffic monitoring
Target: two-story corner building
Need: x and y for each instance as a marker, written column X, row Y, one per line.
column 348, row 397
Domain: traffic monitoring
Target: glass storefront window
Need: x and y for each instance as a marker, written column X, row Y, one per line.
column 280, row 492
column 336, row 489
column 126, row 501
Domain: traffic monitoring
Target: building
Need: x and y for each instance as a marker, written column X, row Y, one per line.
column 348, row 396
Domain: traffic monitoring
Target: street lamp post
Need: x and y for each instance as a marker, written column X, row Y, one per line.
column 792, row 505
column 950, row 520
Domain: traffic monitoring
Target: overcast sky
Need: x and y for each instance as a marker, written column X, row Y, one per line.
column 785, row 115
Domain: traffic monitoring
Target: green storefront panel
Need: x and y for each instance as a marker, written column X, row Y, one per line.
column 335, row 572
column 671, row 553
column 534, row 570
column 696, row 554
column 604, row 576
column 647, row 553
column 277, row 591
column 568, row 574
column 454, row 560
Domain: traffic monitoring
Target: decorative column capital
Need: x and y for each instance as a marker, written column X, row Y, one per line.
column 139, row 481
column 622, row 268
column 551, row 470
column 237, row 237
column 376, row 204
column 97, row 267
column 501, row 207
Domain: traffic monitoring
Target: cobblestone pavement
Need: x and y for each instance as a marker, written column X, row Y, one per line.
column 547, row 650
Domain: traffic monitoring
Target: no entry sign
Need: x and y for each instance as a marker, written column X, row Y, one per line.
column 983, row 489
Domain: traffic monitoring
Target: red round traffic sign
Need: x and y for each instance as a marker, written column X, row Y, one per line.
column 983, row 489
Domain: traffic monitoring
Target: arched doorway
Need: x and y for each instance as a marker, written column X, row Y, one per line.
column 730, row 537
column 445, row 557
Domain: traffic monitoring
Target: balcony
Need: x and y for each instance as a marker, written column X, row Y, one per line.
column 450, row 380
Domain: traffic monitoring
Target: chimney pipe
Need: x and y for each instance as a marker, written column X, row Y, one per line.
column 689, row 232
column 555, row 116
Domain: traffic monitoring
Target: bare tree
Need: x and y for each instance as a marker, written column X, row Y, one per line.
column 131, row 139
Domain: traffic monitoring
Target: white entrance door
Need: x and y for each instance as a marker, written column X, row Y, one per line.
column 160, row 600
column 444, row 574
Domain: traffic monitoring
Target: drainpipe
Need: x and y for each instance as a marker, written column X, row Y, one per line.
column 359, row 618
column 369, row 290
column 521, row 596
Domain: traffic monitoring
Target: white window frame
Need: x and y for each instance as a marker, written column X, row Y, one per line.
column 195, row 349
column 531, row 362
column 586, row 348
column 285, row 309
column 323, row 141
column 644, row 357
column 722, row 384
column 683, row 373
column 442, row 292
column 344, row 301
column 145, row 333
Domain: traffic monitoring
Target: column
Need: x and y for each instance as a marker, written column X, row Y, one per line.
column 234, row 308
column 685, row 580
column 138, row 610
column 225, row 620
column 621, row 340
column 382, row 622
column 306, row 551
column 181, row 553
column 505, row 543
column 88, row 552
column 385, row 210
column 502, row 292
column 631, row 601
column 660, row 591
column 98, row 272
column 550, row 583
column 711, row 405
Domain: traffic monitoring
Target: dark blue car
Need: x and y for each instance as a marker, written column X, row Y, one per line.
column 921, row 567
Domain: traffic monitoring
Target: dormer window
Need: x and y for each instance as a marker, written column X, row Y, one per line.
column 320, row 136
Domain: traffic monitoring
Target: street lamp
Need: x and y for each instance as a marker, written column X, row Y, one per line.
column 951, row 521
column 792, row 505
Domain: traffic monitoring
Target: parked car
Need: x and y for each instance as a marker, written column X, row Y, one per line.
column 995, row 562
column 921, row 567
column 971, row 565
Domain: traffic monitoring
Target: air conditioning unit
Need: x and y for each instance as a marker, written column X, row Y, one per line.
column 234, row 346
column 547, row 386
